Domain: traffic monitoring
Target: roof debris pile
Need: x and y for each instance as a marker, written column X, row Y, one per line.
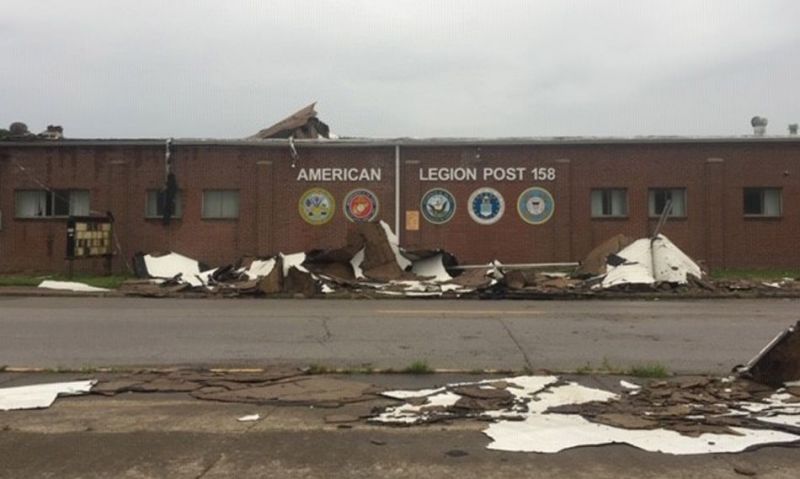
column 686, row 415
column 371, row 264
column 548, row 414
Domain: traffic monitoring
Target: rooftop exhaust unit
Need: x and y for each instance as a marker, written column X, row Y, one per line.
column 759, row 125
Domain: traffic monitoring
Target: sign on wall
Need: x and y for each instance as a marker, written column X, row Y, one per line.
column 486, row 206
column 361, row 205
column 88, row 237
column 412, row 220
column 438, row 206
column 317, row 206
column 535, row 205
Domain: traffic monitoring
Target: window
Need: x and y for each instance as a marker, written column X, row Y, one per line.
column 609, row 203
column 220, row 204
column 762, row 201
column 43, row 203
column 155, row 204
column 659, row 197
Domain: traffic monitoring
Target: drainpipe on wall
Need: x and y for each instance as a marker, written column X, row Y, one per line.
column 397, row 192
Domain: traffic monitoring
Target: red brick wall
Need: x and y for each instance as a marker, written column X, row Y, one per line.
column 118, row 176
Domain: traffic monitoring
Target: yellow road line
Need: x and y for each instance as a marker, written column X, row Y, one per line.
column 450, row 311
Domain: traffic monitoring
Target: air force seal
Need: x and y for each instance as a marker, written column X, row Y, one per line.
column 438, row 206
column 486, row 206
column 317, row 206
column 361, row 205
column 535, row 205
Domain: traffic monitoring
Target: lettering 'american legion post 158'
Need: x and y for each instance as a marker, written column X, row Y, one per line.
column 514, row 173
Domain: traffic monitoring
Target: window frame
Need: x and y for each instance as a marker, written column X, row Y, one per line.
column 220, row 190
column 177, row 214
column 652, row 190
column 50, row 197
column 762, row 215
column 611, row 216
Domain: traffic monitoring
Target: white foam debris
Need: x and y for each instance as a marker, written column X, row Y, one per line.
column 41, row 395
column 670, row 264
column 260, row 268
column 570, row 393
column 550, row 433
column 356, row 263
column 394, row 243
column 532, row 429
column 327, row 289
column 295, row 260
column 648, row 261
column 71, row 286
column 431, row 267
column 172, row 264
column 629, row 385
column 249, row 418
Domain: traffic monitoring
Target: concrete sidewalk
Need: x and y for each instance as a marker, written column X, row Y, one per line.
column 172, row 435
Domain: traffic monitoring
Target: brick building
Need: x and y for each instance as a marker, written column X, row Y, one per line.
column 735, row 201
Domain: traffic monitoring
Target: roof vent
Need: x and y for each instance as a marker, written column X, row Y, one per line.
column 759, row 125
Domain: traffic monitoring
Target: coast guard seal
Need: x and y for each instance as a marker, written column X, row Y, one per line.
column 535, row 205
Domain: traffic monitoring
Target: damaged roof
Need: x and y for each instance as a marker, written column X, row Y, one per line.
column 302, row 124
column 409, row 142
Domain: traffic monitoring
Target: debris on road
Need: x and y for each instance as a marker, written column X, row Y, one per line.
column 779, row 361
column 40, row 396
column 692, row 415
column 71, row 286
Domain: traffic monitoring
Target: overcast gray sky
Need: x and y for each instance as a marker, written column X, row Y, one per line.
column 226, row 69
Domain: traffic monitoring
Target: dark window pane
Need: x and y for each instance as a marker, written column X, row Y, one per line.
column 753, row 204
column 60, row 203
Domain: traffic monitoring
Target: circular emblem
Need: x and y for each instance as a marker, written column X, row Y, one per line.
column 535, row 205
column 361, row 205
column 438, row 206
column 317, row 206
column 486, row 206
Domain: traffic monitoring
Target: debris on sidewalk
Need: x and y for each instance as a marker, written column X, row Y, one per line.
column 320, row 391
column 71, row 286
column 692, row 415
column 779, row 361
column 270, row 386
column 249, row 418
column 41, row 396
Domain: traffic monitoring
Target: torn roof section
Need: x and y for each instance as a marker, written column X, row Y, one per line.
column 303, row 124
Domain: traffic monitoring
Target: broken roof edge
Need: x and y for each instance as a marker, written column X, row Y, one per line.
column 408, row 141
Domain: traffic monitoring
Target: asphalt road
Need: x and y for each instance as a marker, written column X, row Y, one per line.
column 684, row 336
